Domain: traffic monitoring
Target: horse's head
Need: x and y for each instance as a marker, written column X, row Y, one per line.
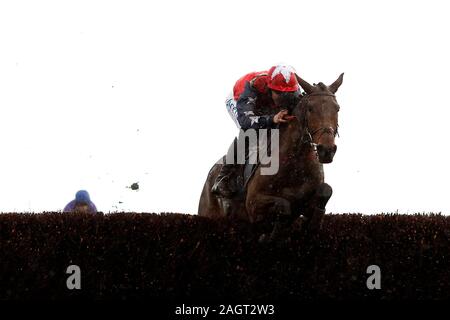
column 317, row 112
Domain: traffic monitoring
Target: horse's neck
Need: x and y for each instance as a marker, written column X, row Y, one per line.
column 291, row 143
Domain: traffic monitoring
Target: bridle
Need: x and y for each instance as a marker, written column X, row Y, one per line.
column 306, row 133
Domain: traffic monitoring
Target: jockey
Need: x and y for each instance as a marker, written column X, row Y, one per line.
column 259, row 100
column 82, row 203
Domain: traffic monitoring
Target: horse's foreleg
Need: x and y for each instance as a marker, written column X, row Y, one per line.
column 265, row 207
column 315, row 209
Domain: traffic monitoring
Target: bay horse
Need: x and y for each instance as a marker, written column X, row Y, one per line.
column 297, row 192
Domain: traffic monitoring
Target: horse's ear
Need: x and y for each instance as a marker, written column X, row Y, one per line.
column 305, row 85
column 335, row 85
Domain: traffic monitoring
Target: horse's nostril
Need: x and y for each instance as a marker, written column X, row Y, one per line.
column 320, row 149
column 326, row 153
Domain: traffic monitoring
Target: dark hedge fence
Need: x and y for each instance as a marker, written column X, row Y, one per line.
column 173, row 256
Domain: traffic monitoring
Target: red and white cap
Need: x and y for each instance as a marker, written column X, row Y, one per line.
column 282, row 78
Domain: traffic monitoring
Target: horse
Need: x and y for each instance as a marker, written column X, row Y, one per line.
column 296, row 193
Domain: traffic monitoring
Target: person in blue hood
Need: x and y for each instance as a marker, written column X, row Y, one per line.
column 81, row 203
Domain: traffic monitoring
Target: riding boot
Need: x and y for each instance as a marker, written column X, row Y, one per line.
column 230, row 178
column 226, row 184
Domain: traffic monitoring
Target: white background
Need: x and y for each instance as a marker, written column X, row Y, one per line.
column 97, row 95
